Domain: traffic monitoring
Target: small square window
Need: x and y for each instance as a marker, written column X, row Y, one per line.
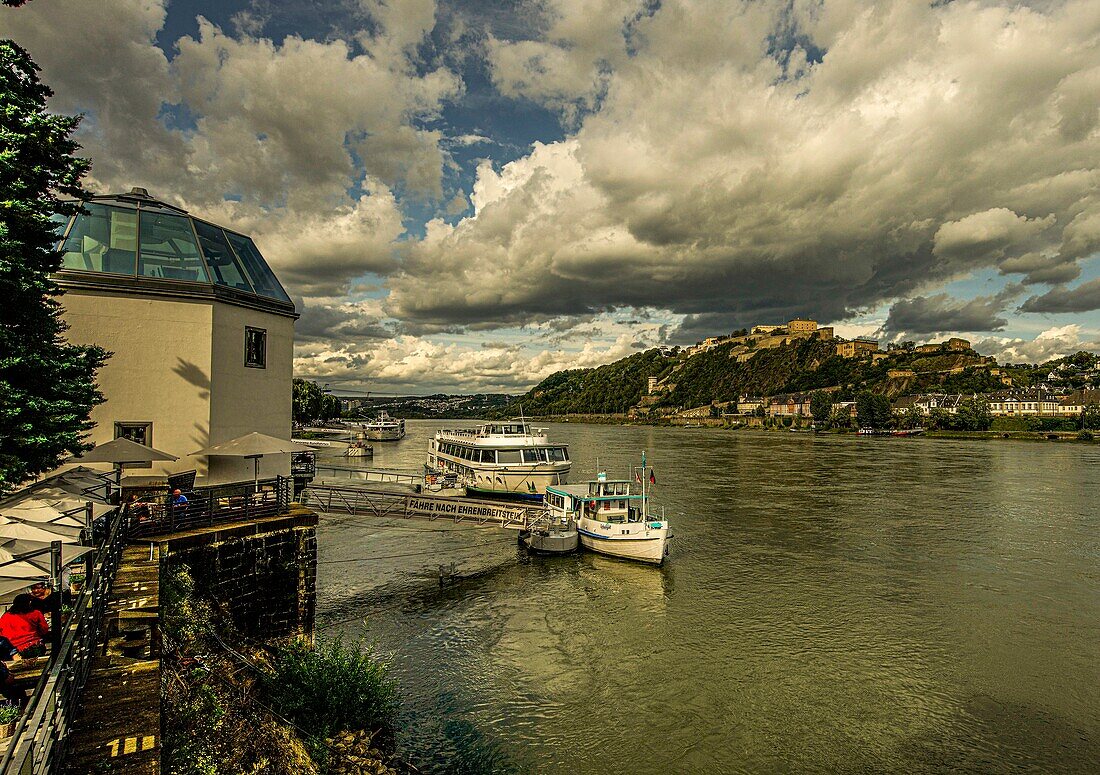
column 255, row 347
column 137, row 432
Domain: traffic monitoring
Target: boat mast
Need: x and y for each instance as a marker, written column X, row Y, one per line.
column 645, row 515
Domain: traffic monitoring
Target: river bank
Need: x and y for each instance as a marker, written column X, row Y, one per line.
column 787, row 424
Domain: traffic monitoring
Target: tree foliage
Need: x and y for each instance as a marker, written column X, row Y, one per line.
column 821, row 406
column 873, row 410
column 310, row 403
column 48, row 385
column 605, row 390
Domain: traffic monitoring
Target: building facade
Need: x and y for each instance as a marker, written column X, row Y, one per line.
column 1017, row 403
column 201, row 331
column 857, row 348
column 802, row 326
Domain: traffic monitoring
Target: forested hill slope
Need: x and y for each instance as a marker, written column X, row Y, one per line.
column 812, row 364
column 604, row 390
column 718, row 375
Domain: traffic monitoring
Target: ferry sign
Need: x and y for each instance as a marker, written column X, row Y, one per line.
column 449, row 507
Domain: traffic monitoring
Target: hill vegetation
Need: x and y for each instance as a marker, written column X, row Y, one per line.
column 718, row 375
column 604, row 390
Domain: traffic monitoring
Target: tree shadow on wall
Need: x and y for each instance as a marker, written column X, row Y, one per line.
column 193, row 374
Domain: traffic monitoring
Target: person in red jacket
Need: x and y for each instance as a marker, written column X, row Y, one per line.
column 25, row 627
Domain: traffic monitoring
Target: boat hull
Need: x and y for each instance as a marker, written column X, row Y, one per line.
column 549, row 542
column 499, row 482
column 384, row 434
column 639, row 542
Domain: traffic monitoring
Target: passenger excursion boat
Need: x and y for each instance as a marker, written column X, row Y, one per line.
column 612, row 518
column 385, row 428
column 504, row 458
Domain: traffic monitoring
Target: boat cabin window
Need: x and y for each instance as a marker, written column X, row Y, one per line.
column 557, row 454
column 508, row 456
column 534, row 456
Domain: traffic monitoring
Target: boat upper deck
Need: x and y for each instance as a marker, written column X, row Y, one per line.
column 597, row 490
column 502, row 435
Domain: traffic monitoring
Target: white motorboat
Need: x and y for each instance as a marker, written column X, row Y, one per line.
column 613, row 518
column 501, row 458
column 385, row 428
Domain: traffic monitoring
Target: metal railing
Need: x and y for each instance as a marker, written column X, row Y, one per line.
column 40, row 739
column 208, row 506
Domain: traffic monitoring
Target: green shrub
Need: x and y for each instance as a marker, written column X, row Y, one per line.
column 1084, row 435
column 8, row 713
column 330, row 687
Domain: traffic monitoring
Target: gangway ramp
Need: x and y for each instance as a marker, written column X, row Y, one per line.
column 392, row 504
column 327, row 472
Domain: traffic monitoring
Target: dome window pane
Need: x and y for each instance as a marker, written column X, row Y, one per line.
column 263, row 279
column 223, row 264
column 102, row 239
column 168, row 248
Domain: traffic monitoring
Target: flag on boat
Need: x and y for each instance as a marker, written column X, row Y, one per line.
column 652, row 477
column 638, row 475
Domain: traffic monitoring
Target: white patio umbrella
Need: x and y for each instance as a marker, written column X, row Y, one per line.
column 11, row 547
column 13, row 528
column 9, row 587
column 254, row 445
column 121, row 451
column 63, row 500
column 44, row 512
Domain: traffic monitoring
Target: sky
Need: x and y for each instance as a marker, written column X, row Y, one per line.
column 467, row 196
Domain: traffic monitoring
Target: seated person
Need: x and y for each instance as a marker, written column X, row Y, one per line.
column 138, row 508
column 179, row 500
column 43, row 597
column 25, row 627
column 8, row 652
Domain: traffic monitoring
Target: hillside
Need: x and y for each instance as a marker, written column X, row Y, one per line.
column 720, row 375
column 812, row 364
column 608, row 389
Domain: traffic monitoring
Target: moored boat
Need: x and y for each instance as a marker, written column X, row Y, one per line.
column 613, row 518
column 509, row 459
column 385, row 428
column 359, row 449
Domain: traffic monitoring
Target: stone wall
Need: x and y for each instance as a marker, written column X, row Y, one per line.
column 262, row 573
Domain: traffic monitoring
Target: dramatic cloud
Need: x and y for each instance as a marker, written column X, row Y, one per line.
column 1083, row 298
column 939, row 313
column 1047, row 345
column 406, row 363
column 568, row 67
column 892, row 148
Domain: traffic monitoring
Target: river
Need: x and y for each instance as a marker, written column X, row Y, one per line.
column 831, row 604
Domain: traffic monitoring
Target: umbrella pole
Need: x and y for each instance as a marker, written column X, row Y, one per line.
column 55, row 585
column 256, row 473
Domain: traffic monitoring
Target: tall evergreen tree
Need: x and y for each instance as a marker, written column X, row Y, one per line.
column 47, row 386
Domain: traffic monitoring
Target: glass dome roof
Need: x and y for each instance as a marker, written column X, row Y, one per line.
column 136, row 235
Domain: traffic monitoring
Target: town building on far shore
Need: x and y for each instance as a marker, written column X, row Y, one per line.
column 1077, row 401
column 857, row 348
column 201, row 331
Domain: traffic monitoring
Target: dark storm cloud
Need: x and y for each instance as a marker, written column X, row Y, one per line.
column 935, row 314
column 1084, row 298
column 324, row 323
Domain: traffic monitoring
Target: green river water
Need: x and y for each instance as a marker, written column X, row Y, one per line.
column 831, row 604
